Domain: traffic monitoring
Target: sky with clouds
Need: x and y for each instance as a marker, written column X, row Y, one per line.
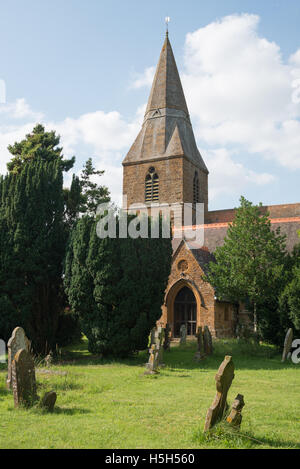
column 240, row 73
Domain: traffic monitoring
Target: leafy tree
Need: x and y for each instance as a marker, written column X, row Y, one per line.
column 116, row 286
column 250, row 264
column 289, row 301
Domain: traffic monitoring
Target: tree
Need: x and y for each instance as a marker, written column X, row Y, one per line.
column 33, row 239
column 92, row 193
column 116, row 286
column 289, row 301
column 249, row 266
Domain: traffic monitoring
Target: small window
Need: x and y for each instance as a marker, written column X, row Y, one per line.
column 151, row 186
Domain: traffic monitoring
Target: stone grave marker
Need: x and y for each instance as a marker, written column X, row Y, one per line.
column 287, row 344
column 235, row 416
column 159, row 338
column 207, row 341
column 17, row 342
column 23, row 379
column 48, row 400
column 183, row 334
column 200, row 344
column 167, row 338
column 223, row 379
column 152, row 365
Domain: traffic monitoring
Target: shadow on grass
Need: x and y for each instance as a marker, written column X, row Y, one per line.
column 71, row 411
column 224, row 436
column 245, row 355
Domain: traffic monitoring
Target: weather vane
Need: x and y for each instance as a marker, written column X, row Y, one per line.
column 167, row 20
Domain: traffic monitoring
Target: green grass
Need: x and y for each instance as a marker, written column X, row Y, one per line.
column 112, row 404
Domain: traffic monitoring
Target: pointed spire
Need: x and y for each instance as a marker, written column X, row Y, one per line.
column 167, row 131
column 166, row 89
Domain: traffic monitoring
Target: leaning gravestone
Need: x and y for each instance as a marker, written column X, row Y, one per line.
column 223, row 379
column 235, row 416
column 23, row 379
column 17, row 342
column 207, row 341
column 200, row 345
column 287, row 344
column 182, row 334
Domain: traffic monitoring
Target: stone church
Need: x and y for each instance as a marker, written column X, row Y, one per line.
column 164, row 165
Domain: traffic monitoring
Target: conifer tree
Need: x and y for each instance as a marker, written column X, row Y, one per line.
column 250, row 264
column 116, row 286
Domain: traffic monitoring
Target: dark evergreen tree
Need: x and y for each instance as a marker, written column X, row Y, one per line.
column 116, row 286
column 33, row 239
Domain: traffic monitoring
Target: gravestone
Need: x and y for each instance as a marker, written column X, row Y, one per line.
column 17, row 342
column 200, row 344
column 167, row 338
column 182, row 334
column 235, row 416
column 287, row 344
column 23, row 379
column 48, row 400
column 207, row 341
column 152, row 365
column 223, row 379
column 159, row 338
column 152, row 336
column 2, row 351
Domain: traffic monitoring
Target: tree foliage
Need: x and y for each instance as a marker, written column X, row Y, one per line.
column 250, row 264
column 116, row 286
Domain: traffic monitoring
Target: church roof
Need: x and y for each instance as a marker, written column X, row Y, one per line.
column 167, row 131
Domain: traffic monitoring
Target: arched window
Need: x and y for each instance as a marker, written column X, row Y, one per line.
column 151, row 186
column 196, row 195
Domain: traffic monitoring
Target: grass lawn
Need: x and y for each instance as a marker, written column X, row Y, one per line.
column 111, row 404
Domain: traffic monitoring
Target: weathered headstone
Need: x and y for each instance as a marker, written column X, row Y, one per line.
column 159, row 338
column 23, row 379
column 167, row 338
column 207, row 341
column 152, row 365
column 48, row 400
column 235, row 416
column 223, row 379
column 152, row 336
column 17, row 342
column 200, row 344
column 287, row 344
column 182, row 334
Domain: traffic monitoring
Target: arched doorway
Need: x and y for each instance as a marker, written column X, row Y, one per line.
column 185, row 311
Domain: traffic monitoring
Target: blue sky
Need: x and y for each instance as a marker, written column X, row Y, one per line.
column 85, row 68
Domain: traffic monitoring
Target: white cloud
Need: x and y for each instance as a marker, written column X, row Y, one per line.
column 230, row 177
column 144, row 79
column 243, row 96
column 240, row 91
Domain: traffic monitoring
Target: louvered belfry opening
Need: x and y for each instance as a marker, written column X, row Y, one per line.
column 196, row 195
column 152, row 186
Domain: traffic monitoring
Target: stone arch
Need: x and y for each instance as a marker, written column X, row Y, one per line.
column 172, row 294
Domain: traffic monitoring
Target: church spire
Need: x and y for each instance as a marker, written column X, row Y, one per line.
column 166, row 89
column 167, row 131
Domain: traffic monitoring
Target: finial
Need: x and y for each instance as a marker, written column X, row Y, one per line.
column 167, row 21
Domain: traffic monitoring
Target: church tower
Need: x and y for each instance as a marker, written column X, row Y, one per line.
column 164, row 164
